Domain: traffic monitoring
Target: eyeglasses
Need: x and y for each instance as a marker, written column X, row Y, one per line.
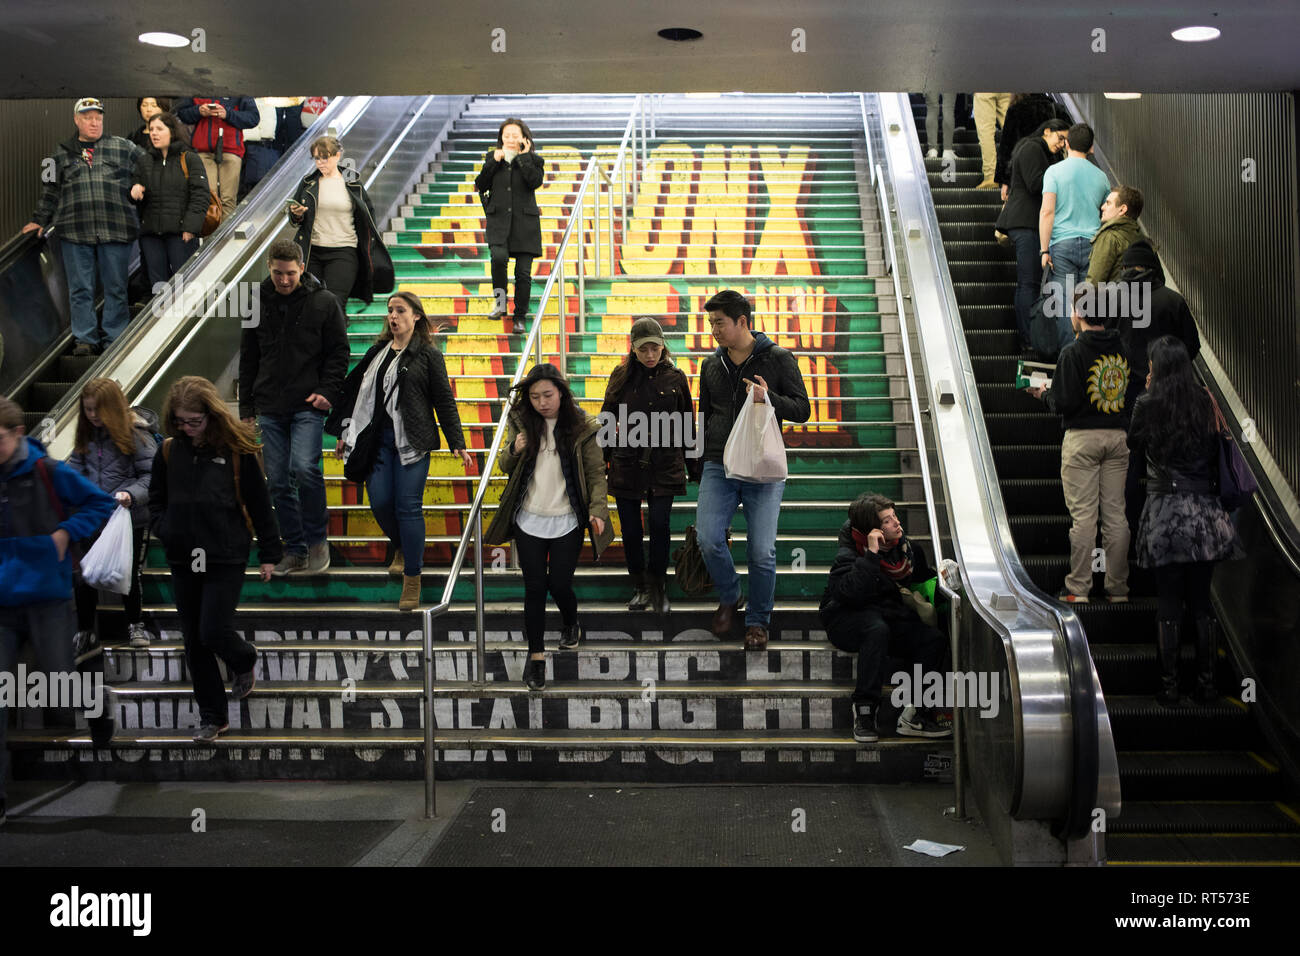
column 189, row 422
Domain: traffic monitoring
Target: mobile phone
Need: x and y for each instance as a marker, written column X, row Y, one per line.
column 293, row 202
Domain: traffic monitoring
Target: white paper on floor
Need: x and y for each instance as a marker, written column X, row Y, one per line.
column 930, row 848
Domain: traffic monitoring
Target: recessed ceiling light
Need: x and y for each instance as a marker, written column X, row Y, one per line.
column 680, row 33
column 1122, row 96
column 164, row 39
column 1196, row 34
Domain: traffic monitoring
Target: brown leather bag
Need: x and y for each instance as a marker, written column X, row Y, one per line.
column 212, row 217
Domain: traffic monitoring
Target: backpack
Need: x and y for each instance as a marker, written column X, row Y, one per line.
column 234, row 461
column 150, row 418
column 688, row 562
column 212, row 215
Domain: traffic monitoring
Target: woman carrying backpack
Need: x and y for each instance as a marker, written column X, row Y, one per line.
column 171, row 187
column 644, row 391
column 114, row 448
column 207, row 497
column 556, row 490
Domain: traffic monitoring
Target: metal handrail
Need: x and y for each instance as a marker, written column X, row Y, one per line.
column 866, row 135
column 474, row 517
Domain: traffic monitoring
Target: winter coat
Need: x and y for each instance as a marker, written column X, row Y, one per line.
column 241, row 114
column 1108, row 245
column 374, row 265
column 509, row 197
column 1025, row 197
column 1023, row 117
column 91, row 204
column 30, row 569
column 639, row 470
column 299, row 346
column 722, row 390
column 192, row 504
column 172, row 203
column 422, row 389
column 584, row 472
column 111, row 471
column 1169, row 315
column 856, row 581
column 1090, row 384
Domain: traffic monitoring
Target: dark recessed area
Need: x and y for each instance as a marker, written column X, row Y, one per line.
column 680, row 33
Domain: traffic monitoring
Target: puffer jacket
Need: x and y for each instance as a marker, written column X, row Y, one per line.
column 722, row 390
column 856, row 581
column 111, row 471
column 172, row 203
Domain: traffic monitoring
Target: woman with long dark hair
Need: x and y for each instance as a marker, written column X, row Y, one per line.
column 1184, row 528
column 389, row 404
column 556, row 490
column 114, row 449
column 644, row 391
column 207, row 497
column 171, row 186
column 507, row 186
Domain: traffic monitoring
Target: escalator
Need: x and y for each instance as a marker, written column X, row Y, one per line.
column 1199, row 782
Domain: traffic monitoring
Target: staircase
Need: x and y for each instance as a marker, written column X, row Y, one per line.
column 1197, row 782
column 766, row 194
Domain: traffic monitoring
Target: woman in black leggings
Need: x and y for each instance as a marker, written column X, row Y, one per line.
column 507, row 186
column 1184, row 529
column 556, row 490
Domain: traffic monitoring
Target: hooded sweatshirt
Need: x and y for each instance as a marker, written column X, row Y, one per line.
column 722, row 390
column 1167, row 315
column 1091, row 381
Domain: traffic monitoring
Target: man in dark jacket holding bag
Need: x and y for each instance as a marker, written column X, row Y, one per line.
column 745, row 361
column 291, row 369
column 865, row 611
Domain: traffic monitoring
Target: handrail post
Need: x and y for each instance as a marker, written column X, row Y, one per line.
column 581, row 317
column 609, row 211
column 644, row 153
column 563, row 345
column 430, row 754
column 596, row 240
column 958, row 721
column 480, row 639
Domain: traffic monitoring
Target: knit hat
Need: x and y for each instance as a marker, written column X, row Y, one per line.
column 1139, row 255
column 646, row 330
column 86, row 104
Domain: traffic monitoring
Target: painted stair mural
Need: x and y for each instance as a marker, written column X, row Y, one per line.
column 766, row 197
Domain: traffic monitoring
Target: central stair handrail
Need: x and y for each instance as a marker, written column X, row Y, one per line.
column 473, row 528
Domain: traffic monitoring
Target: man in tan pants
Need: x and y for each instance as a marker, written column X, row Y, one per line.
column 989, row 109
column 1088, row 391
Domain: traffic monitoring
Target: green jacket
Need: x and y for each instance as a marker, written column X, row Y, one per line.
column 591, row 486
column 1108, row 245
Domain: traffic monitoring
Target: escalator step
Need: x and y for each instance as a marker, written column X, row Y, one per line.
column 986, row 215
column 1200, row 816
column 970, row 197
column 1138, row 722
column 1198, row 775
column 992, row 342
column 1132, row 668
column 991, row 271
column 45, row 395
column 955, row 230
column 983, row 293
column 1005, row 397
column 1036, row 429
column 1048, row 572
column 1133, row 622
column 987, row 316
column 996, row 368
column 70, row 368
column 1226, row 848
column 981, row 251
column 1031, row 495
column 1040, row 534
column 1027, row 461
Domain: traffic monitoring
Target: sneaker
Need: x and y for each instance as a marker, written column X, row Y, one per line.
column 138, row 635
column 931, row 153
column 949, row 156
column 864, row 724
column 921, row 723
column 83, row 349
column 570, row 637
column 209, row 732
column 497, row 312
column 289, row 564
column 520, row 325
column 535, row 674
column 318, row 558
column 1117, row 598
column 243, row 684
column 1068, row 598
column 988, row 184
column 83, row 642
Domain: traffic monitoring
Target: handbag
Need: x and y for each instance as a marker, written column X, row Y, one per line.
column 689, row 568
column 755, row 450
column 1044, row 330
column 1236, row 482
column 361, row 461
column 923, row 608
column 212, row 215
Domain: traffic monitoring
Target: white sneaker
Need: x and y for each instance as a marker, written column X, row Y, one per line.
column 949, row 156
column 931, row 153
column 138, row 635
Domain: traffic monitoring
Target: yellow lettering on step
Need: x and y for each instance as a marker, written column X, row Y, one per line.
column 722, row 206
column 785, row 239
column 667, row 185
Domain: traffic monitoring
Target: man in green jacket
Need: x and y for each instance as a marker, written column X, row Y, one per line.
column 1119, row 228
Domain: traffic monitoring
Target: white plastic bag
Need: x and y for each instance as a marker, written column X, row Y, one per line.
column 107, row 564
column 755, row 450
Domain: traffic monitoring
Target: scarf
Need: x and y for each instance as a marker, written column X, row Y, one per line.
column 361, row 410
column 896, row 562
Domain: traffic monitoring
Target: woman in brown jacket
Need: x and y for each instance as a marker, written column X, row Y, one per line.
column 556, row 489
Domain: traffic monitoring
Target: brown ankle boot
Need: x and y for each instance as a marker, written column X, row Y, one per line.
column 398, row 567
column 410, row 599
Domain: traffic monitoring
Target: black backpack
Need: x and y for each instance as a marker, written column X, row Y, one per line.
column 692, row 575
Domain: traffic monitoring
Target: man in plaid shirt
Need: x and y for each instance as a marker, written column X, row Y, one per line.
column 89, row 204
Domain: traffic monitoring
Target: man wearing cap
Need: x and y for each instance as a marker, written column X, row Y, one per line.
column 89, row 204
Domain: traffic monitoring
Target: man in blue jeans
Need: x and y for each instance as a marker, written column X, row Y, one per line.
column 291, row 368
column 745, row 361
column 1073, row 192
column 87, row 199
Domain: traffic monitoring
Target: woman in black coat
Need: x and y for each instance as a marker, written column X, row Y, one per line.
column 1184, row 529
column 387, row 429
column 507, row 186
column 1026, row 113
column 341, row 247
column 171, row 188
column 645, row 385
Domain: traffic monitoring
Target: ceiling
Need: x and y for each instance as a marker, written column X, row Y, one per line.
column 72, row 48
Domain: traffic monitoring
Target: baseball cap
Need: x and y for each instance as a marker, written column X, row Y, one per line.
column 87, row 103
column 646, row 330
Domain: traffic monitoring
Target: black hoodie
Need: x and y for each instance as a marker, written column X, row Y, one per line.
column 1168, row 315
column 1090, row 382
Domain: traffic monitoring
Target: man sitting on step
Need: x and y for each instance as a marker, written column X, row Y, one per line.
column 869, row 609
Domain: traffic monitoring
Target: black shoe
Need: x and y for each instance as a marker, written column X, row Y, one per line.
column 243, row 684
column 520, row 325
column 657, row 587
column 535, row 674
column 864, row 724
column 1167, row 654
column 1207, row 652
column 640, row 598
column 102, row 730
column 208, row 732
column 570, row 637
column 83, row 350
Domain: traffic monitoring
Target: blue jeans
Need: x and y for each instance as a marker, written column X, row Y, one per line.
column 110, row 262
column 718, row 499
column 1069, row 259
column 1029, row 278
column 164, row 255
column 291, row 448
column 49, row 627
column 397, row 499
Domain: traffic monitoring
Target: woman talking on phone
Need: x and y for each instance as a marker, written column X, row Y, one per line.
column 507, row 186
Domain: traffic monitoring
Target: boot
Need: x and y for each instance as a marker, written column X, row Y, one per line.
column 658, row 591
column 398, row 568
column 640, row 599
column 1167, row 649
column 1207, row 655
column 410, row 598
